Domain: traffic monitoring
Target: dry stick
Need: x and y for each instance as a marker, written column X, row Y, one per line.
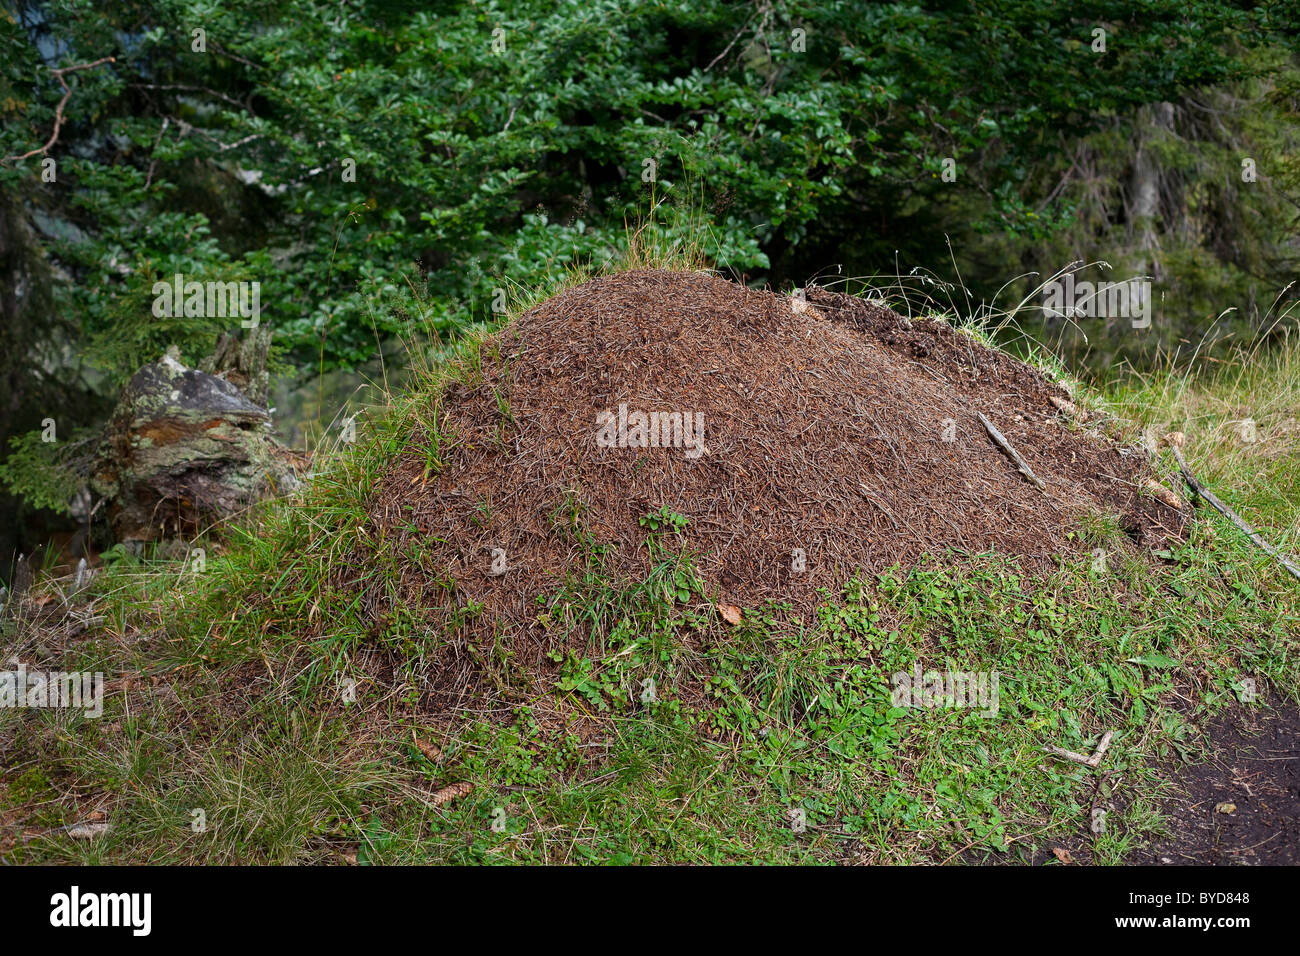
column 1005, row 445
column 58, row 110
column 1092, row 761
column 1231, row 515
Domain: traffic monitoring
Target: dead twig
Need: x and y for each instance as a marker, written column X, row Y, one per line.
column 1021, row 464
column 58, row 110
column 1092, row 761
column 1231, row 515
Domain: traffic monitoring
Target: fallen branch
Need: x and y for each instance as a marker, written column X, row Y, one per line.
column 1092, row 761
column 1231, row 515
column 58, row 110
column 1005, row 445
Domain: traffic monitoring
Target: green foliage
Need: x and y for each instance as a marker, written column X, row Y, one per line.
column 494, row 142
column 43, row 473
column 664, row 519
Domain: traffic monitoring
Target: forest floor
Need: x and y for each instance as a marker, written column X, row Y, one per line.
column 840, row 622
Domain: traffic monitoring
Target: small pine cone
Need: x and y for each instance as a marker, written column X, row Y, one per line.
column 448, row 794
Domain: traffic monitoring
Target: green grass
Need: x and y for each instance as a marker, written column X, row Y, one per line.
column 259, row 700
column 1242, row 422
column 758, row 721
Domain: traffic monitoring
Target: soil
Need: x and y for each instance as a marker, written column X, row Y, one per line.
column 1252, row 769
column 1234, row 802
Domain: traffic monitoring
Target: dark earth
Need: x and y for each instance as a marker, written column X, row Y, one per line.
column 1234, row 802
column 1253, row 763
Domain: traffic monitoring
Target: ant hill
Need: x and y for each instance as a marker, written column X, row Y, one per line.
column 805, row 441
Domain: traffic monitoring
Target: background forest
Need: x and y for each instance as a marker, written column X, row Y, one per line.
column 383, row 168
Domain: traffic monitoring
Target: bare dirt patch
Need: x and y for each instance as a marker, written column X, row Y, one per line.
column 1241, row 805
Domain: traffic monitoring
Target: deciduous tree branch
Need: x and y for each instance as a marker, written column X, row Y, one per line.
column 59, row 75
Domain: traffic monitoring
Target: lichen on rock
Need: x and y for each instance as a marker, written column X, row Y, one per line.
column 184, row 449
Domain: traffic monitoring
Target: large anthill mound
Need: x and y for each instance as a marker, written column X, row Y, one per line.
column 839, row 430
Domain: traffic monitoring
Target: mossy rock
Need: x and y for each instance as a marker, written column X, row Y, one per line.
column 185, row 449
